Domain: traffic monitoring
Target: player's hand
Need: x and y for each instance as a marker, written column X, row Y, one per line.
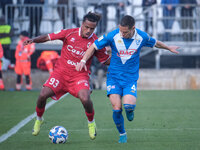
column 29, row 41
column 174, row 49
column 81, row 65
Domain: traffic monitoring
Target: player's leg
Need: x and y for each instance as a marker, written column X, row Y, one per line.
column 129, row 106
column 129, row 99
column 79, row 87
column 118, row 118
column 84, row 96
column 114, row 92
column 45, row 93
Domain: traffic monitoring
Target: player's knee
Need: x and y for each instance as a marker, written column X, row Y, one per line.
column 43, row 95
column 84, row 99
column 116, row 107
column 84, row 96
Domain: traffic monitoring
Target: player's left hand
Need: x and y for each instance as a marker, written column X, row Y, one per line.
column 80, row 66
column 174, row 49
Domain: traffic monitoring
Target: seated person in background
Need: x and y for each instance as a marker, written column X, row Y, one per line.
column 47, row 60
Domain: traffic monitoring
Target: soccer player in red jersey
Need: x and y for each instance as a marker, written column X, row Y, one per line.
column 65, row 78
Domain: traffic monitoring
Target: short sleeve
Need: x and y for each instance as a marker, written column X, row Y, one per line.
column 149, row 42
column 102, row 42
column 59, row 35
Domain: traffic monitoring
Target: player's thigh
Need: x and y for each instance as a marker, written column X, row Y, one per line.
column 130, row 88
column 46, row 92
column 79, row 86
column 113, row 86
column 115, row 100
column 129, row 99
column 56, row 83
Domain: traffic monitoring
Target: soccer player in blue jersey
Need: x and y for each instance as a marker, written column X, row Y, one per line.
column 123, row 72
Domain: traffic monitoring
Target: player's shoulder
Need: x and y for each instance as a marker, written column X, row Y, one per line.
column 142, row 33
column 71, row 30
column 113, row 33
column 94, row 36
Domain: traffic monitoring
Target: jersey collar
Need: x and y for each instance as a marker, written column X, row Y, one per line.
column 79, row 33
column 133, row 37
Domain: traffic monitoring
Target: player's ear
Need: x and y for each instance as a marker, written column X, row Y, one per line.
column 133, row 27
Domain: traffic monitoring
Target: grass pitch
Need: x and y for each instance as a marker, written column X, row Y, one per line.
column 164, row 120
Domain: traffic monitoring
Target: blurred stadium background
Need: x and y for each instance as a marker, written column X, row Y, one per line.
column 167, row 115
column 160, row 69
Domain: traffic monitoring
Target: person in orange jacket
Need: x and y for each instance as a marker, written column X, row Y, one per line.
column 23, row 61
column 47, row 60
column 1, row 78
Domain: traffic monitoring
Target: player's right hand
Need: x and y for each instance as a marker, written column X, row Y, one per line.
column 29, row 41
column 80, row 66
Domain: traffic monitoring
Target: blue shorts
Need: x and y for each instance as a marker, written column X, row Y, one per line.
column 122, row 87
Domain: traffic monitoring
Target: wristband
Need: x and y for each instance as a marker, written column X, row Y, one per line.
column 82, row 60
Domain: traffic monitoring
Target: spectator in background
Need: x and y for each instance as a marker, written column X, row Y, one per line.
column 10, row 12
column 23, row 61
column 1, row 78
column 35, row 15
column 5, row 37
column 120, row 11
column 101, row 8
column 64, row 16
column 187, row 21
column 148, row 16
column 47, row 60
column 169, row 10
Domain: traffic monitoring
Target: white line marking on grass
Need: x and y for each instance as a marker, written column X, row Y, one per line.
column 24, row 122
column 139, row 129
column 130, row 130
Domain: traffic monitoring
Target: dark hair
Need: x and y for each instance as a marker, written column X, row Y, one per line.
column 93, row 17
column 127, row 21
column 24, row 33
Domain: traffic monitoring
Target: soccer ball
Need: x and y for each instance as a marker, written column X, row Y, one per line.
column 58, row 135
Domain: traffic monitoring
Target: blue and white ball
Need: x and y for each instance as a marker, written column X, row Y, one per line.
column 58, row 135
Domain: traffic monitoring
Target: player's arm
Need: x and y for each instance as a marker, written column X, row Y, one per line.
column 89, row 53
column 39, row 39
column 172, row 49
column 107, row 62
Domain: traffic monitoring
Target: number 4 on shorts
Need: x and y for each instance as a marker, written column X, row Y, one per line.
column 133, row 87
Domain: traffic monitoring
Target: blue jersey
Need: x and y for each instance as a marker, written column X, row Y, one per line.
column 125, row 52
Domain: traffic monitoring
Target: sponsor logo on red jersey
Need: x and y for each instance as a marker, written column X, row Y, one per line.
column 74, row 51
column 72, row 40
column 70, row 62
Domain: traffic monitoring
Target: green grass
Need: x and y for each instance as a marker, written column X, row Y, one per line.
column 164, row 120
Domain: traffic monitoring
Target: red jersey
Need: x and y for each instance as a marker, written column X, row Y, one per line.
column 74, row 47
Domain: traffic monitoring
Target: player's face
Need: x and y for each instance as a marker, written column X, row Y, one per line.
column 87, row 28
column 126, row 32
